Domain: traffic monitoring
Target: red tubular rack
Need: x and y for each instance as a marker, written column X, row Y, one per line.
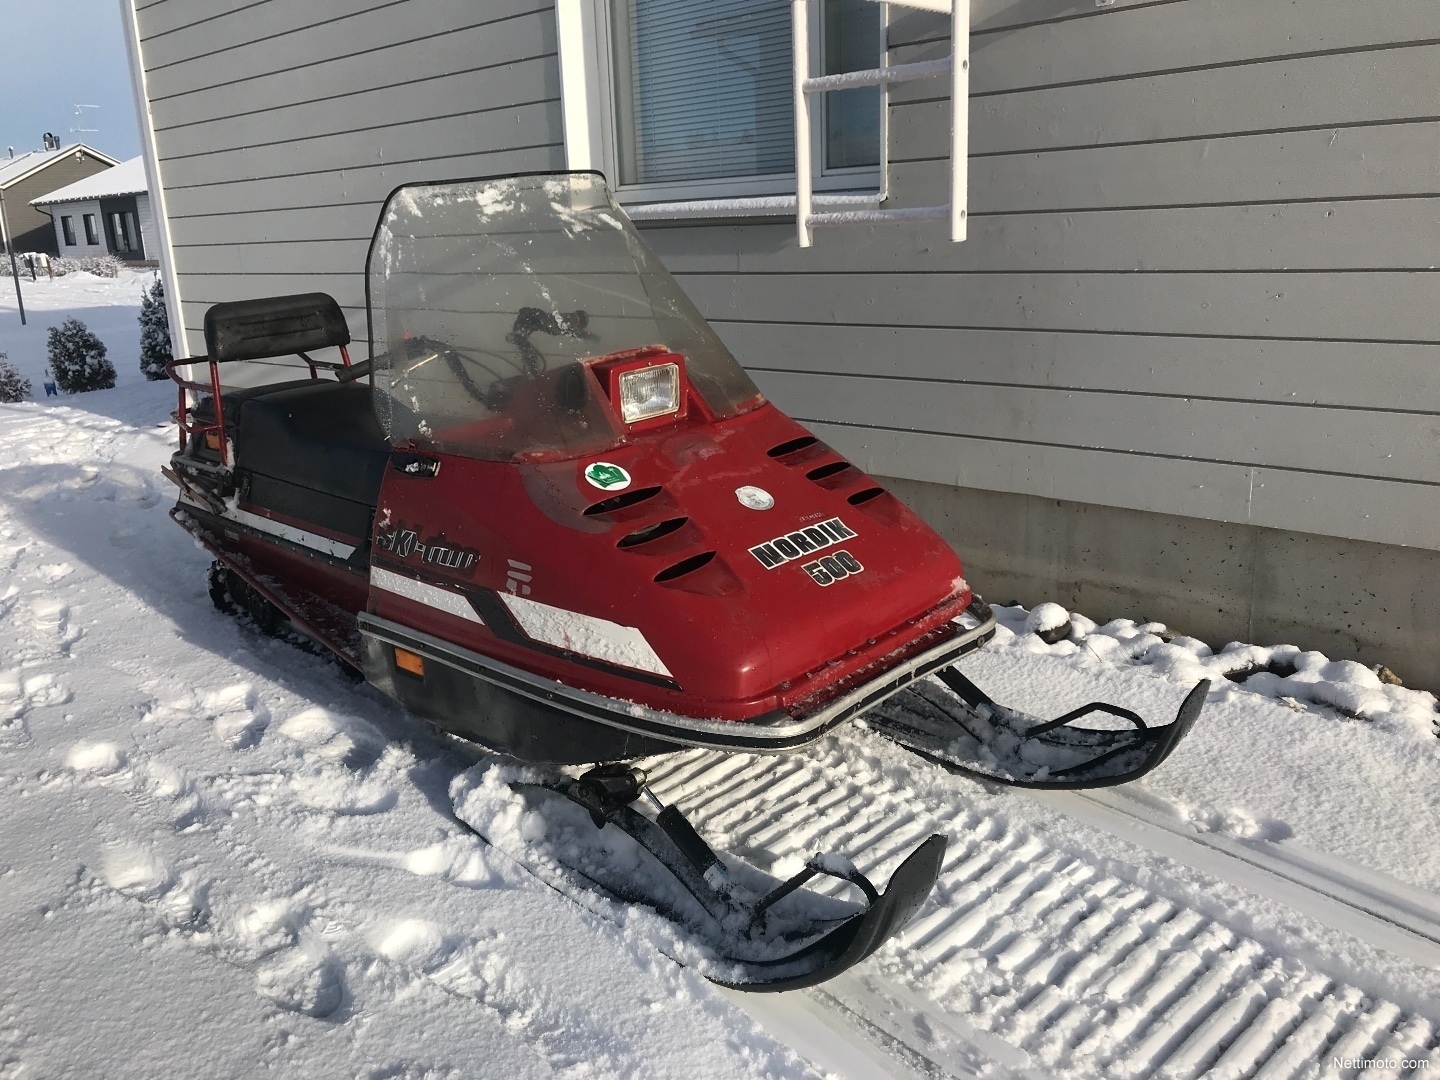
column 188, row 426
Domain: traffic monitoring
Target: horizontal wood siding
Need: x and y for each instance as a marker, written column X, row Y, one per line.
column 1200, row 280
column 281, row 125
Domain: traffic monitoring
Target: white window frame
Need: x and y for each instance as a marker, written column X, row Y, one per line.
column 588, row 111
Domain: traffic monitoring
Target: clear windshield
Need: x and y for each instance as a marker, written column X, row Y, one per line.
column 488, row 297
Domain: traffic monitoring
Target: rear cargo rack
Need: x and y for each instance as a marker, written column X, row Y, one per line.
column 256, row 330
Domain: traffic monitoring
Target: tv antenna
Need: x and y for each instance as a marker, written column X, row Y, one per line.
column 79, row 119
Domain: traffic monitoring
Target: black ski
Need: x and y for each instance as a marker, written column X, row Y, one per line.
column 961, row 728
column 744, row 929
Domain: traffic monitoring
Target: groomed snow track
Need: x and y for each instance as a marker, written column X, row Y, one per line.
column 1078, row 970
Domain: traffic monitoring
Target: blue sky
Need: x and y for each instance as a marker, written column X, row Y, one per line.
column 54, row 54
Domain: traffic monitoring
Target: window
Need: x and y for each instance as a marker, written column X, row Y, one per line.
column 702, row 89
column 851, row 31
column 694, row 98
column 123, row 229
column 67, row 226
column 91, row 236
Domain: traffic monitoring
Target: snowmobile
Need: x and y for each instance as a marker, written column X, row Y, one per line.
column 550, row 513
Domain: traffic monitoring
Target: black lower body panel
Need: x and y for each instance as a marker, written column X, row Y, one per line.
column 483, row 712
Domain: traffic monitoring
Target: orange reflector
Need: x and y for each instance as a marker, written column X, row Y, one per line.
column 406, row 660
column 212, row 440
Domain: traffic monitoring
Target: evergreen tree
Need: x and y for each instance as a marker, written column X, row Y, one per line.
column 77, row 357
column 154, row 332
column 13, row 385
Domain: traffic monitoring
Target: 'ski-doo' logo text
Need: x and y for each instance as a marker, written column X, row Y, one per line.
column 433, row 550
column 801, row 542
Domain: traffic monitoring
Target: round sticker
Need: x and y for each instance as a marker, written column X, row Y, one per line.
column 755, row 498
column 606, row 477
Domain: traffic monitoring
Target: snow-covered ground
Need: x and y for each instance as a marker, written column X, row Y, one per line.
column 220, row 856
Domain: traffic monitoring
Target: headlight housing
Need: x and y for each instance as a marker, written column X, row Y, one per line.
column 648, row 392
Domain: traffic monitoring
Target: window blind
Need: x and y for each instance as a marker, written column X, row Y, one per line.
column 702, row 89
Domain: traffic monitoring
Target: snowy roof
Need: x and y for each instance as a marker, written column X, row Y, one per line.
column 127, row 178
column 22, row 165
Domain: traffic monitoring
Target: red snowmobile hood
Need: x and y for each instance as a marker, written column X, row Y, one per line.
column 718, row 570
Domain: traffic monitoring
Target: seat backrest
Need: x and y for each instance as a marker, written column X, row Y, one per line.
column 274, row 326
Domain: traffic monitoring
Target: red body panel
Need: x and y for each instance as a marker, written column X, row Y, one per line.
column 737, row 638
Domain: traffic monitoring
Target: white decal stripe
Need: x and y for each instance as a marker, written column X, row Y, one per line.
column 291, row 533
column 431, row 596
column 587, row 635
column 275, row 528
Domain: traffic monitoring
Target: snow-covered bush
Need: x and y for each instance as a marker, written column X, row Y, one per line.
column 154, row 332
column 20, row 267
column 13, row 385
column 77, row 357
column 99, row 265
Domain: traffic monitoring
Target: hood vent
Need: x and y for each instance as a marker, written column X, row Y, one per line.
column 792, row 446
column 826, row 471
column 651, row 532
column 623, row 501
column 683, row 567
column 862, row 497
column 834, row 475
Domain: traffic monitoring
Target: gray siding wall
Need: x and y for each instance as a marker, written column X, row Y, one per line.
column 280, row 126
column 76, row 212
column 149, row 238
column 1200, row 275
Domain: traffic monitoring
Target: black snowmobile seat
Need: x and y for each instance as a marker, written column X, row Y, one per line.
column 319, row 435
column 274, row 326
column 233, row 399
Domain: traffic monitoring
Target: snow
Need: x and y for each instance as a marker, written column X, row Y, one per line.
column 209, row 831
column 588, row 635
column 1330, row 755
column 127, row 178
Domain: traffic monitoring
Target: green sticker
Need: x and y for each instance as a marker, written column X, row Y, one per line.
column 607, row 477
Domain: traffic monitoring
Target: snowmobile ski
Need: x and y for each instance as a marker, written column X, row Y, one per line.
column 966, row 731
column 606, row 835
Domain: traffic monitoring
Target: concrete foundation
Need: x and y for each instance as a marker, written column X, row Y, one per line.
column 1213, row 580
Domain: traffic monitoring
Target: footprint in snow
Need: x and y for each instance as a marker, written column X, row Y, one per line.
column 296, row 970
column 417, row 944
column 369, row 763
column 458, row 965
column 298, row 981
column 19, row 694
column 96, row 758
column 107, row 765
column 238, row 718
column 140, row 874
column 343, row 793
column 53, row 572
column 51, row 618
column 336, row 736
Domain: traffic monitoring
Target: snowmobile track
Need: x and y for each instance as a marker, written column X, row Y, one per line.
column 1072, row 966
column 1370, row 905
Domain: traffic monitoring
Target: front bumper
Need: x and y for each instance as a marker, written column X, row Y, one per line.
column 769, row 733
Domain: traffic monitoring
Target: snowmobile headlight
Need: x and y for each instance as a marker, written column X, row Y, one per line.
column 649, row 392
